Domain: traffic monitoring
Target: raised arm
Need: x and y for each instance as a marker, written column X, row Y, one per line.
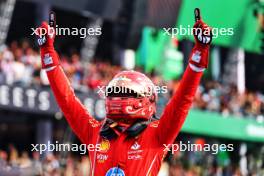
column 177, row 109
column 83, row 125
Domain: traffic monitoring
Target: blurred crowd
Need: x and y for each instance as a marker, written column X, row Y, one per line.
column 214, row 96
column 20, row 65
column 14, row 163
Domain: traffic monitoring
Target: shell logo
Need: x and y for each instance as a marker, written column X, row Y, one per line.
column 105, row 145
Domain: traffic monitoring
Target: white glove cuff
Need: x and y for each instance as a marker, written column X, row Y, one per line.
column 195, row 68
column 50, row 68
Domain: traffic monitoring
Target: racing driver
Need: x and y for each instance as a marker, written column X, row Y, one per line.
column 131, row 142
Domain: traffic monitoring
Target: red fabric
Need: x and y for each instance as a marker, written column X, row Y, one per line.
column 146, row 157
column 199, row 57
column 49, row 57
column 200, row 52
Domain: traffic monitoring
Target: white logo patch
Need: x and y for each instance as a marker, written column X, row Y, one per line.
column 48, row 59
column 196, row 57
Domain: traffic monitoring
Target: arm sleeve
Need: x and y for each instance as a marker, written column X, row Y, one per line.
column 177, row 109
column 83, row 125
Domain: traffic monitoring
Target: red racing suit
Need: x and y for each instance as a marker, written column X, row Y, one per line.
column 132, row 156
column 127, row 156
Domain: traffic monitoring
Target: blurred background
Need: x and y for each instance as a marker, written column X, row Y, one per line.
column 228, row 107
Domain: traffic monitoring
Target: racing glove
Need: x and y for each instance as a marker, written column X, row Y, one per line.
column 203, row 36
column 49, row 57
